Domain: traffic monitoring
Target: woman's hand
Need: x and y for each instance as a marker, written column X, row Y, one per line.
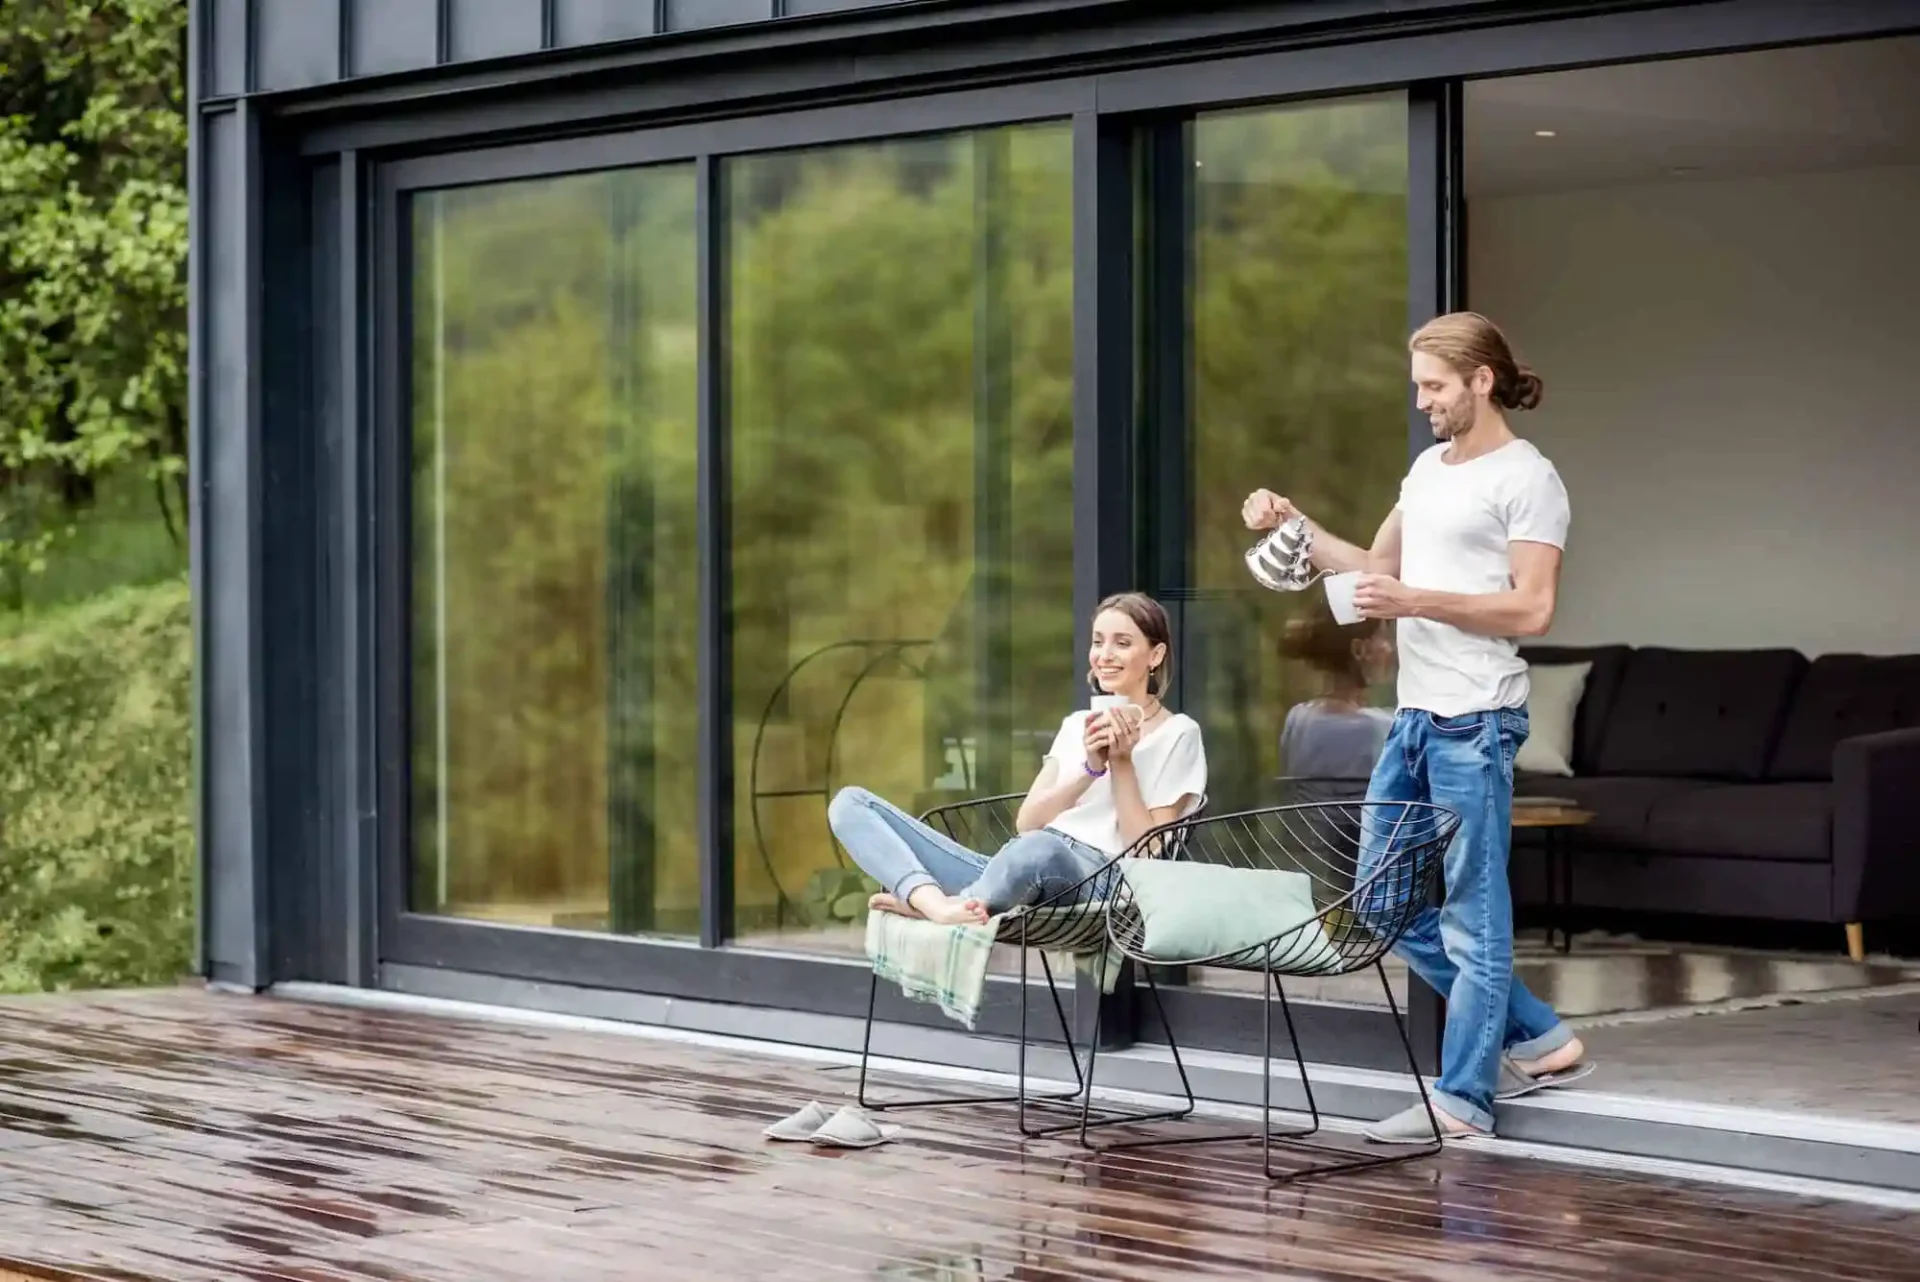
column 1123, row 734
column 1095, row 738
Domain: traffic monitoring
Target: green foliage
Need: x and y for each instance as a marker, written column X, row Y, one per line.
column 93, row 263
column 96, row 780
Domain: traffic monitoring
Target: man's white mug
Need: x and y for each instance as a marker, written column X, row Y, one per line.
column 1340, row 596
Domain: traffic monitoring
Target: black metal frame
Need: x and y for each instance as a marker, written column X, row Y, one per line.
column 1074, row 921
column 388, row 136
column 1357, row 928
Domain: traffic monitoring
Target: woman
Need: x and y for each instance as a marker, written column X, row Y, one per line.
column 1329, row 744
column 1110, row 778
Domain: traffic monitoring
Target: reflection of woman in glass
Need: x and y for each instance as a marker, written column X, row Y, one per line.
column 1329, row 744
column 1110, row 778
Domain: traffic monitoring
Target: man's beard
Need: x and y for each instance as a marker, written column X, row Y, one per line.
column 1455, row 422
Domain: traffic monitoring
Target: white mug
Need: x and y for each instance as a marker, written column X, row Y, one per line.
column 1108, row 703
column 1340, row 596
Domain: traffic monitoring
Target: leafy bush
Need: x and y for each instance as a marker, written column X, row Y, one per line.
column 96, row 789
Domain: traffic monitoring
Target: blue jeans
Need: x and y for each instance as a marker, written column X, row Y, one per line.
column 903, row 855
column 1464, row 949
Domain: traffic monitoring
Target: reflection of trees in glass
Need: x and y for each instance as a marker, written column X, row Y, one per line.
column 899, row 405
column 1299, row 307
column 554, row 574
column 901, row 360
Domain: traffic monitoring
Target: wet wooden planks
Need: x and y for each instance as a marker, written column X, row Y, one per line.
column 183, row 1135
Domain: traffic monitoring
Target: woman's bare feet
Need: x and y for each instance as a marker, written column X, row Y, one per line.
column 1554, row 1061
column 885, row 903
column 947, row 910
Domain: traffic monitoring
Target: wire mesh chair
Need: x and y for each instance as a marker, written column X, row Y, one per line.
column 1369, row 868
column 1072, row 921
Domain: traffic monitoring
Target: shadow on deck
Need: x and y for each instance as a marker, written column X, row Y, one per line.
column 184, row 1135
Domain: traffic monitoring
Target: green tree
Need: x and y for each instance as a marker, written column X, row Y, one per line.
column 93, row 271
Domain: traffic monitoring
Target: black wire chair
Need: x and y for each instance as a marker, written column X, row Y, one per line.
column 1073, row 921
column 1369, row 868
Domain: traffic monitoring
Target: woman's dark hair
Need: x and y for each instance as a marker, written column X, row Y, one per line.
column 1469, row 341
column 1328, row 646
column 1150, row 617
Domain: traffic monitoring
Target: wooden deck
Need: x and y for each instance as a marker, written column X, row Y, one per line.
column 183, row 1135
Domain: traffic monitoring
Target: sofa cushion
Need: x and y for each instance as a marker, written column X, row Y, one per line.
column 1603, row 683
column 1554, row 692
column 1777, row 821
column 1699, row 714
column 1620, row 804
column 1841, row 696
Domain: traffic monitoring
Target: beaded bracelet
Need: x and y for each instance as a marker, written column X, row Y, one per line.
column 1091, row 772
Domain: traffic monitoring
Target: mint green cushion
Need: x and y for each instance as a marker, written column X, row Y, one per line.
column 1193, row 912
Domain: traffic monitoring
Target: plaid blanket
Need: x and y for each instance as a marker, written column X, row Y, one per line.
column 947, row 965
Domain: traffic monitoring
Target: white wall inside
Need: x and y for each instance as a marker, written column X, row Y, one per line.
column 1732, row 375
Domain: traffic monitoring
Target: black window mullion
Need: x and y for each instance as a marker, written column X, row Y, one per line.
column 1436, row 255
column 1103, row 396
column 714, row 803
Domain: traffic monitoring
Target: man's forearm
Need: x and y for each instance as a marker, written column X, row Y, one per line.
column 1336, row 554
column 1492, row 614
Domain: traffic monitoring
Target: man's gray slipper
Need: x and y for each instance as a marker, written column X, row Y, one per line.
column 798, row 1128
column 853, row 1127
column 1516, row 1081
column 1414, row 1125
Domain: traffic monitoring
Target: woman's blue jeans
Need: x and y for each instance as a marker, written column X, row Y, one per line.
column 903, row 855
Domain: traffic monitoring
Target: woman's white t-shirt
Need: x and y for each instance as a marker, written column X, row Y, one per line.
column 1169, row 761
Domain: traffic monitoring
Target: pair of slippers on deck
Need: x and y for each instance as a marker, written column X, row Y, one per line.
column 851, row 1127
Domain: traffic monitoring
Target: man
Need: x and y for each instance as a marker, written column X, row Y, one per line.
column 1468, row 560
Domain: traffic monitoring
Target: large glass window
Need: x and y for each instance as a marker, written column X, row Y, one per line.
column 899, row 323
column 1276, row 356
column 554, row 574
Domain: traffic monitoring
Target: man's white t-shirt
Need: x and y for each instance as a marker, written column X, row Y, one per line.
column 1457, row 520
column 1169, row 761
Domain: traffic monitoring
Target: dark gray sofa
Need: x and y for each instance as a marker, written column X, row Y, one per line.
column 1741, row 783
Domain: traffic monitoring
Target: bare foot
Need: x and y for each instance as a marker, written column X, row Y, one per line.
column 885, row 903
column 945, row 910
column 1554, row 1061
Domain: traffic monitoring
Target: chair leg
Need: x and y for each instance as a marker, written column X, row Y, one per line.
column 1020, row 1096
column 1091, row 1121
column 1297, row 1138
column 1350, row 1161
column 1856, row 941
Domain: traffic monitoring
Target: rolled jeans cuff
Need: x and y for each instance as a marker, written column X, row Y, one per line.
column 1545, row 1044
column 1461, row 1111
column 903, row 889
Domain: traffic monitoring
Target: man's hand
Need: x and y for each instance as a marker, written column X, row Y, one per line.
column 1265, row 510
column 1381, row 596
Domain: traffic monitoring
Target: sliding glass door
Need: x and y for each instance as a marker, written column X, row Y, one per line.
column 730, row 465
column 1278, row 271
column 898, row 403
column 554, row 584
